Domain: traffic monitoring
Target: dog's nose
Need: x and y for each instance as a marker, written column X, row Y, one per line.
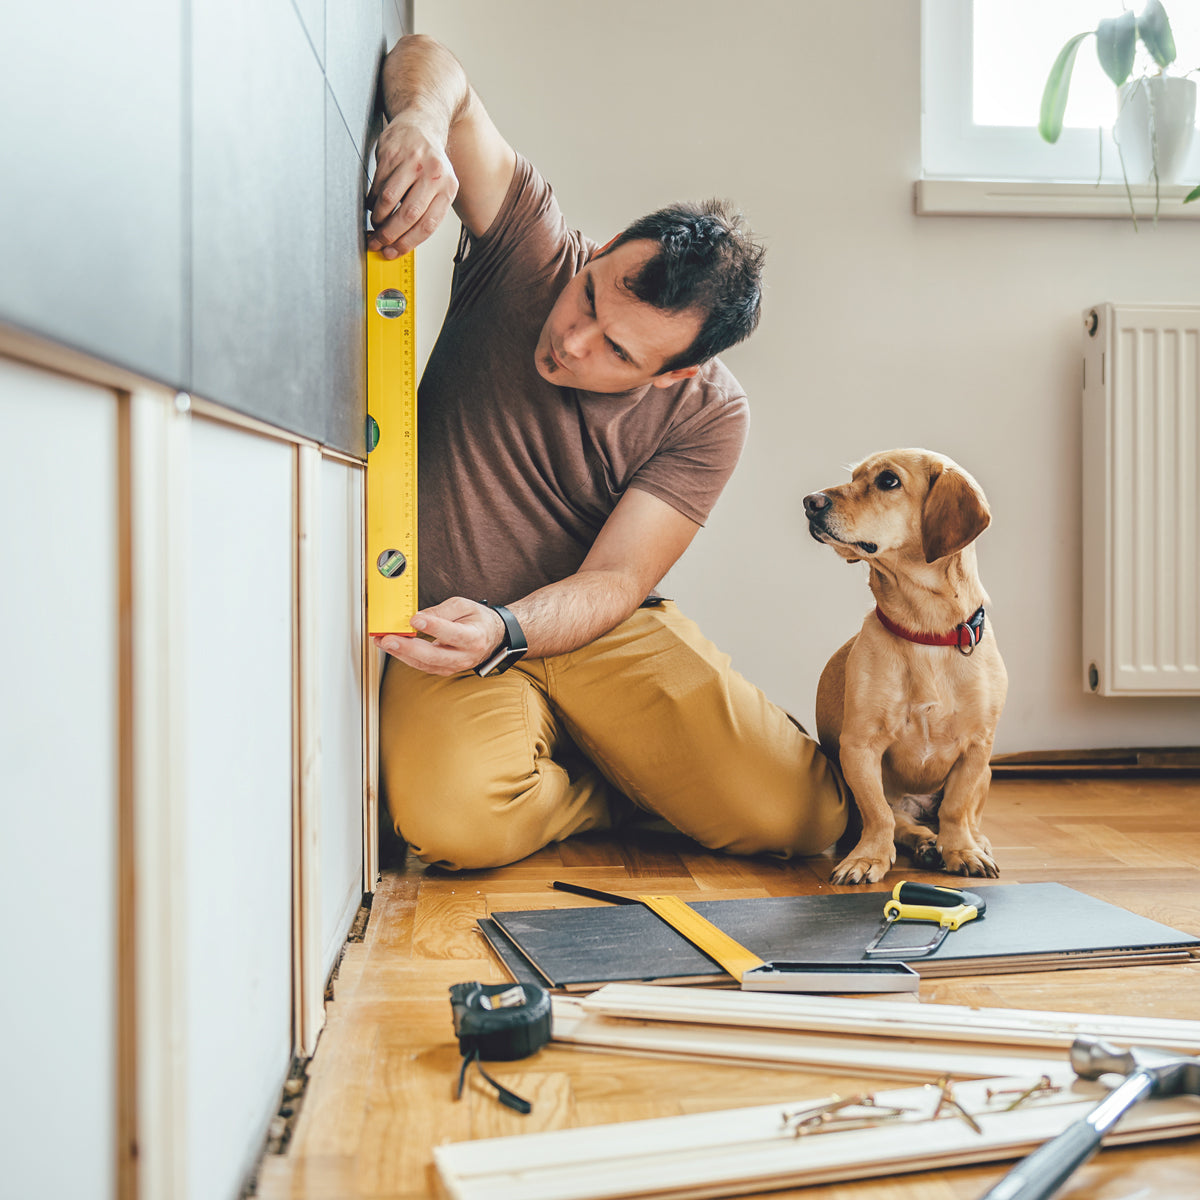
column 817, row 503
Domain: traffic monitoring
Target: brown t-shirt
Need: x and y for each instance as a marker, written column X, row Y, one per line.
column 517, row 475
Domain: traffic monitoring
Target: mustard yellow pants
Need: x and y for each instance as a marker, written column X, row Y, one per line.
column 648, row 719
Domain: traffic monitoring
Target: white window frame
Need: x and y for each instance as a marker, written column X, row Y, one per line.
column 982, row 169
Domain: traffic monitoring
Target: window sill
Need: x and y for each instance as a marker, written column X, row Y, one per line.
column 1016, row 198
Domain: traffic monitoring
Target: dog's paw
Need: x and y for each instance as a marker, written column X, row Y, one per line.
column 970, row 860
column 862, row 867
column 928, row 857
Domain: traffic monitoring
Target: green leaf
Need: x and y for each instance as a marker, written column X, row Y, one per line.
column 1116, row 40
column 1054, row 98
column 1155, row 31
column 1194, row 194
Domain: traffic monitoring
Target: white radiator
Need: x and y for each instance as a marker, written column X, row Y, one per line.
column 1141, row 500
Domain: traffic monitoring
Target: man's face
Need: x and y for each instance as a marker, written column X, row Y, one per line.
column 600, row 338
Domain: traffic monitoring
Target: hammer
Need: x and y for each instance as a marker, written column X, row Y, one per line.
column 1148, row 1073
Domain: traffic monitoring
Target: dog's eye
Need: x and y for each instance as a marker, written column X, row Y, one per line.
column 885, row 481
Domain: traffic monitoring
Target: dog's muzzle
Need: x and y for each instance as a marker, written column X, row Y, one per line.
column 818, row 508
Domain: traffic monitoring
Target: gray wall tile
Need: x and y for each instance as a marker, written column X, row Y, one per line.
column 393, row 23
column 345, row 329
column 312, row 14
column 258, row 213
column 353, row 51
column 199, row 218
column 91, row 147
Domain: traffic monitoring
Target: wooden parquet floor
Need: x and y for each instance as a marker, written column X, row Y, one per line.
column 381, row 1085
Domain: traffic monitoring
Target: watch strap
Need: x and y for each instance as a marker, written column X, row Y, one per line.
column 511, row 649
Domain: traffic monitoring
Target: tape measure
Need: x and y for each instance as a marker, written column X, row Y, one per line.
column 499, row 1022
column 391, row 444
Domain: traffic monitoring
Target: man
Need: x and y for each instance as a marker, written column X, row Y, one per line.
column 576, row 429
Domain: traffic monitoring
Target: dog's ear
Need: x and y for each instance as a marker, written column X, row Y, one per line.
column 954, row 515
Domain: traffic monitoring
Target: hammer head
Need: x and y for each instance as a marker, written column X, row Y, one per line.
column 1171, row 1074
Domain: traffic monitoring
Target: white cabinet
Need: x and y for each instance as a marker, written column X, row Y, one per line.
column 59, row 784
column 183, row 717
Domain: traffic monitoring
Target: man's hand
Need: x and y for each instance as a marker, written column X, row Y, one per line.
column 439, row 148
column 462, row 634
column 414, row 187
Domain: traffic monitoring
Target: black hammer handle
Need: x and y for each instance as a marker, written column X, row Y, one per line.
column 1047, row 1168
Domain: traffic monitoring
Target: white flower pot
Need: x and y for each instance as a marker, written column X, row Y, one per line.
column 1156, row 119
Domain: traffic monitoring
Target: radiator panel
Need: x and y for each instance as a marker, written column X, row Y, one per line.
column 1141, row 465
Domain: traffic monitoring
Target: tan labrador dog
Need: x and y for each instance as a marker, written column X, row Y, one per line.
column 909, row 705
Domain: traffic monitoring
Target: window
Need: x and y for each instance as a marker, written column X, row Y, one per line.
column 984, row 65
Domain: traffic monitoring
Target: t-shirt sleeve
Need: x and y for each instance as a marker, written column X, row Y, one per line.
column 692, row 467
column 524, row 243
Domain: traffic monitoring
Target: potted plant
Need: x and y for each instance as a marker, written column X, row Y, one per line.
column 1156, row 112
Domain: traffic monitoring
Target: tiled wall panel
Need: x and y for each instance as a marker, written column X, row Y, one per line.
column 92, row 151
column 178, row 198
column 258, row 306
column 345, row 410
column 353, row 50
column 312, row 14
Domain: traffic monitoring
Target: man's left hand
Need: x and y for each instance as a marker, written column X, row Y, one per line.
column 458, row 634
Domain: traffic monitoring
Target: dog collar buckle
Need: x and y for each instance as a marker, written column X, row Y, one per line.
column 968, row 634
column 972, row 631
column 964, row 636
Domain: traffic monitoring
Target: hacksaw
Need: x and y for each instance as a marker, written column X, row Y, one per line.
column 391, row 445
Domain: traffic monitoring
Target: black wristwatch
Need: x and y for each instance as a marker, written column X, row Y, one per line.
column 512, row 648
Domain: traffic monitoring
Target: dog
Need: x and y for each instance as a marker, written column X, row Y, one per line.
column 908, row 707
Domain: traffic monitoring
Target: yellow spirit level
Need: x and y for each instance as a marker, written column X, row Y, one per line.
column 391, row 445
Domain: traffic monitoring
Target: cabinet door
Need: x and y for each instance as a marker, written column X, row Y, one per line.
column 59, row 693
column 238, row 825
column 340, row 638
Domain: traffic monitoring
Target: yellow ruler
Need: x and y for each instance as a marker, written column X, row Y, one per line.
column 716, row 943
column 391, row 445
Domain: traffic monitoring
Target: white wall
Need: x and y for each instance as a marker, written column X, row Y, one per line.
column 880, row 329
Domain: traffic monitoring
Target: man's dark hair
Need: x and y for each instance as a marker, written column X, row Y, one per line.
column 706, row 260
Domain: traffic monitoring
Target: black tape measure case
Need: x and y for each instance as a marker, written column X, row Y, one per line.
column 499, row 1022
column 502, row 1021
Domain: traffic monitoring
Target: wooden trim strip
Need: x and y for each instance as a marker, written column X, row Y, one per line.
column 941, row 1022
column 159, row 490
column 127, row 965
column 308, row 983
column 911, row 1058
column 738, row 1151
column 372, row 675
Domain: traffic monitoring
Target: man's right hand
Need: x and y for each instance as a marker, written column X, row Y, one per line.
column 458, row 635
column 439, row 148
column 414, row 187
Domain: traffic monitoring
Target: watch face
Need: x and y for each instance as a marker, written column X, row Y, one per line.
column 504, row 658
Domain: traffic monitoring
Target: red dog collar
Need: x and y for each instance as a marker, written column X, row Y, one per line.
column 965, row 635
